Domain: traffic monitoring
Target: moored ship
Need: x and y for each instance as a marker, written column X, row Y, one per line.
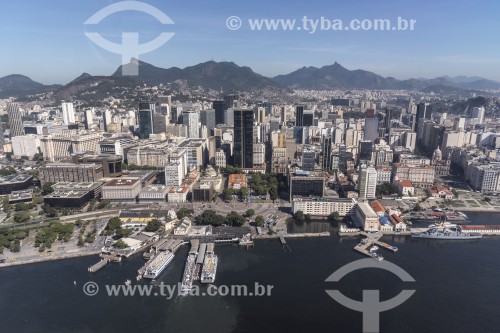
column 445, row 231
column 158, row 264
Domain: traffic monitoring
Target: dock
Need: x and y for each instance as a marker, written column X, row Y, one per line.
column 94, row 268
column 366, row 246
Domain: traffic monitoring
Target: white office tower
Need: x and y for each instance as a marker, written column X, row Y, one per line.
column 191, row 120
column 173, row 174
column 89, row 119
column 106, row 117
column 259, row 153
column 459, row 124
column 68, row 112
column 229, row 117
column 478, row 113
column 367, row 182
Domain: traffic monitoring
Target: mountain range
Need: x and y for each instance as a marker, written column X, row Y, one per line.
column 228, row 76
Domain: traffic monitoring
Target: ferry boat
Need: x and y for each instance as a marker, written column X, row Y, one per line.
column 445, row 231
column 187, row 278
column 209, row 269
column 158, row 264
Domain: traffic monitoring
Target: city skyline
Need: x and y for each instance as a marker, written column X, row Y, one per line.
column 447, row 39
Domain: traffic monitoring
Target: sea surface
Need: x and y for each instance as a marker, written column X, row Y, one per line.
column 457, row 287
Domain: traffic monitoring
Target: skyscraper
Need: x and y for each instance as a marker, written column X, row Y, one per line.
column 229, row 101
column 89, row 119
column 219, row 107
column 424, row 112
column 207, row 118
column 327, row 152
column 191, row 119
column 145, row 119
column 106, row 117
column 243, row 138
column 68, row 112
column 478, row 113
column 15, row 120
column 367, row 182
column 299, row 115
column 371, row 125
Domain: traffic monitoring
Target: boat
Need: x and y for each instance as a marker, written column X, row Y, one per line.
column 374, row 248
column 209, row 269
column 246, row 240
column 188, row 276
column 158, row 264
column 445, row 231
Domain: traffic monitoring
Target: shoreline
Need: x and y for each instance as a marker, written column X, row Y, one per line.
column 47, row 258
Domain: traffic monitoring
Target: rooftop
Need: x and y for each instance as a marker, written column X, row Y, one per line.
column 123, row 181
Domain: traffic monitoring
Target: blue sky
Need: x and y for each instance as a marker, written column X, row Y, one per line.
column 44, row 39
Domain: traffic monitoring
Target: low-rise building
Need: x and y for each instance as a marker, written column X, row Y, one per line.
column 183, row 227
column 73, row 195
column 122, row 189
column 365, row 217
column 70, row 172
column 177, row 194
column 237, row 181
column 317, row 206
column 405, row 187
column 154, row 193
column 439, row 191
column 21, row 196
column 15, row 182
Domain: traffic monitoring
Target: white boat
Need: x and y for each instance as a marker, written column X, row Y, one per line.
column 209, row 269
column 158, row 264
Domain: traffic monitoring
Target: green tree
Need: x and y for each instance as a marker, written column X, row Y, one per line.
column 235, row 219
column 47, row 188
column 244, row 193
column 153, row 226
column 259, row 220
column 121, row 244
column 114, row 223
column 103, row 204
column 417, row 208
column 250, row 212
column 335, row 216
column 184, row 212
column 228, row 194
column 21, row 217
column 124, row 232
column 210, row 217
column 16, row 246
column 299, row 216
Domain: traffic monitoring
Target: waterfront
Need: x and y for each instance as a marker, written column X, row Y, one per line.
column 455, row 283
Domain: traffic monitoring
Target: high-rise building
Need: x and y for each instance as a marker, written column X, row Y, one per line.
column 15, row 120
column 327, row 152
column 89, row 119
column 367, row 182
column 219, row 107
column 68, row 112
column 191, row 119
column 230, row 101
column 371, row 125
column 243, row 138
column 106, row 117
column 478, row 113
column 145, row 119
column 308, row 160
column 424, row 111
column 308, row 118
column 208, row 118
column 365, row 150
column 299, row 115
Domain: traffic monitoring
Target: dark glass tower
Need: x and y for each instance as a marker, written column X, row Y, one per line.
column 219, row 107
column 243, row 138
column 145, row 119
column 299, row 115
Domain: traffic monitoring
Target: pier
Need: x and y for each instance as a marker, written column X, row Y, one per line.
column 94, row 268
column 366, row 245
column 282, row 240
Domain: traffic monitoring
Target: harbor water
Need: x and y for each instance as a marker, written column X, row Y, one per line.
column 456, row 289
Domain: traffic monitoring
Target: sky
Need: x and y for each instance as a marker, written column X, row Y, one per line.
column 45, row 39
